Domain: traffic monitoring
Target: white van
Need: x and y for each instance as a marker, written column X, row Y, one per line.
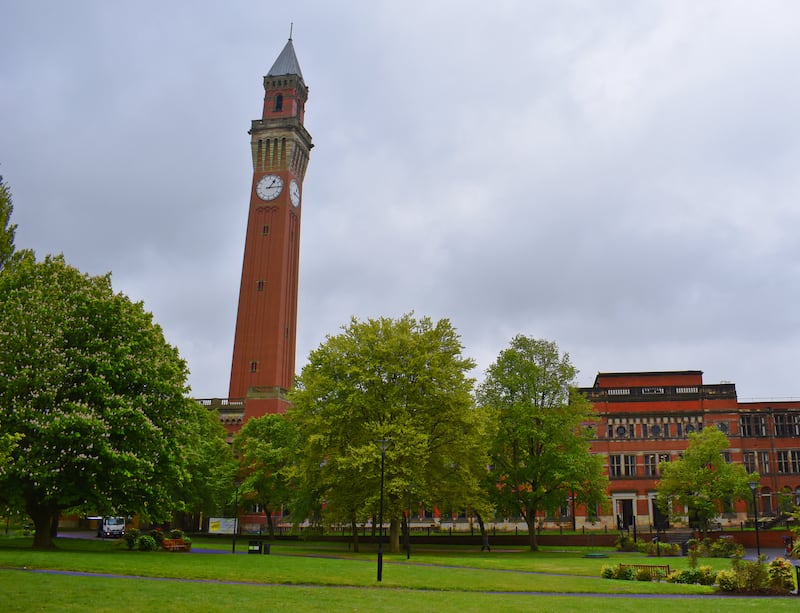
column 111, row 527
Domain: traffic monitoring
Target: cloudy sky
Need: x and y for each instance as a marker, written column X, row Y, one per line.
column 620, row 176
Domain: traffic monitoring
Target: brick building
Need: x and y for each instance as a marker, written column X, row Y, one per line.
column 645, row 419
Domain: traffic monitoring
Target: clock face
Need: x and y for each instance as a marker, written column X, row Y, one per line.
column 269, row 187
column 294, row 192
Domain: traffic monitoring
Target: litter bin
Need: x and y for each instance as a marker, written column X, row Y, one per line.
column 255, row 546
column 265, row 549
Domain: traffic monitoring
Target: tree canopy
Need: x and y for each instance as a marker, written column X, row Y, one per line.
column 266, row 447
column 7, row 229
column 210, row 469
column 400, row 381
column 702, row 483
column 94, row 395
column 540, row 455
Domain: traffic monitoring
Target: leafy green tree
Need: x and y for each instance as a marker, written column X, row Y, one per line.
column 211, row 467
column 94, row 393
column 266, row 448
column 540, row 455
column 7, row 229
column 701, row 481
column 401, row 381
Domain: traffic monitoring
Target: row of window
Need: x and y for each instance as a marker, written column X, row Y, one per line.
column 652, row 430
column 788, row 461
column 785, row 425
column 624, row 465
column 651, row 391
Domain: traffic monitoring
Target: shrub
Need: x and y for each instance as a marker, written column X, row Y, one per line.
column 753, row 576
column 625, row 573
column 146, row 543
column 626, row 543
column 719, row 548
column 780, row 573
column 618, row 572
column 130, row 537
column 725, row 548
column 158, row 536
column 727, row 581
column 176, row 534
column 694, row 555
column 687, row 575
column 644, row 574
column 662, row 549
column 707, row 575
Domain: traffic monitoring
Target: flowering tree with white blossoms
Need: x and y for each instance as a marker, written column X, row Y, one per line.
column 93, row 395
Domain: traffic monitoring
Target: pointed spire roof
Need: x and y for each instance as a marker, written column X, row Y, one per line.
column 286, row 63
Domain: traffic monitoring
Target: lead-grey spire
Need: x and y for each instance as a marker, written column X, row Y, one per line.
column 286, row 63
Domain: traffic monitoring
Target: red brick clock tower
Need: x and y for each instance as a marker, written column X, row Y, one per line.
column 263, row 363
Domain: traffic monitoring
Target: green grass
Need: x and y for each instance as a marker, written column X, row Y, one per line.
column 325, row 576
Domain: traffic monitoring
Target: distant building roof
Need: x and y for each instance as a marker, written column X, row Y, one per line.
column 668, row 377
column 286, row 63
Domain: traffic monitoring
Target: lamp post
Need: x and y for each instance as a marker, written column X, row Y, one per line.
column 408, row 525
column 235, row 516
column 383, row 445
column 753, row 487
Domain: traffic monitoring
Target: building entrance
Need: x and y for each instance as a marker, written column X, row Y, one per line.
column 624, row 513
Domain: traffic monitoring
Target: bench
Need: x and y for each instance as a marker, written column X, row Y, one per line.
column 173, row 545
column 654, row 569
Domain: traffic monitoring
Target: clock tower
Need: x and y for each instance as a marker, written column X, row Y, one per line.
column 263, row 363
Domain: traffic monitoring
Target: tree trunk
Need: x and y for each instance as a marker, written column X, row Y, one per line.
column 484, row 533
column 394, row 535
column 354, row 528
column 43, row 524
column 270, row 524
column 530, row 519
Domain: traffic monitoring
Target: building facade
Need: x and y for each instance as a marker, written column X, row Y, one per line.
column 645, row 419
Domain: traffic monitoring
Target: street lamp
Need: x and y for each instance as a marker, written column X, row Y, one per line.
column 235, row 516
column 408, row 525
column 383, row 445
column 753, row 487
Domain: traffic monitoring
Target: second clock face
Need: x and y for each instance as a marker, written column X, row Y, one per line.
column 269, row 187
column 294, row 192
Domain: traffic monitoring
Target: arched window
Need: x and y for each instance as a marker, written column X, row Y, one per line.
column 279, row 102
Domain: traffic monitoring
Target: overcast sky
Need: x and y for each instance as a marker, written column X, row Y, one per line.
column 621, row 177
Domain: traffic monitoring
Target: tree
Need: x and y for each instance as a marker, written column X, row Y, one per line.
column 702, row 481
column 403, row 382
column 210, row 465
column 540, row 456
column 266, row 448
column 94, row 393
column 7, row 229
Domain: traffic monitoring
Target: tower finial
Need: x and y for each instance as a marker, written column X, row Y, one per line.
column 291, row 27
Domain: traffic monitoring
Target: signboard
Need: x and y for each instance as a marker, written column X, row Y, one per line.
column 221, row 525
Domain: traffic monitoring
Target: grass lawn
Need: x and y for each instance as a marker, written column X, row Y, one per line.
column 324, row 576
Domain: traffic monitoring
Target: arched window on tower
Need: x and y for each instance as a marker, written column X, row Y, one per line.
column 279, row 102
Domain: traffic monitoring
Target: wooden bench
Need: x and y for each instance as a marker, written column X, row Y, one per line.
column 662, row 570
column 173, row 545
